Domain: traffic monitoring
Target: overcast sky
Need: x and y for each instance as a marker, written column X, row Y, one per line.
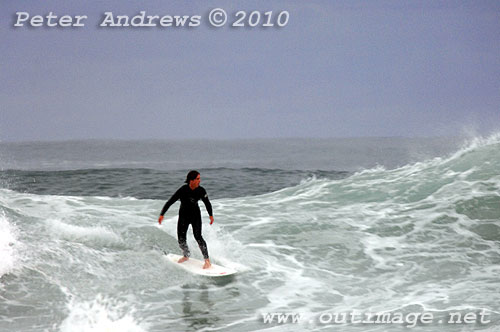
column 337, row 69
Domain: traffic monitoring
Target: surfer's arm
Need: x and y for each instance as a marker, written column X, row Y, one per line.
column 208, row 205
column 171, row 201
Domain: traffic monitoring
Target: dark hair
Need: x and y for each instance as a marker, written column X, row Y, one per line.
column 192, row 175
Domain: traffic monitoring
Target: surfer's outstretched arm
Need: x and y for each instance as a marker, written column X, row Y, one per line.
column 169, row 203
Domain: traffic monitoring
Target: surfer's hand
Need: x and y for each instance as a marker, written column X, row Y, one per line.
column 211, row 220
column 160, row 219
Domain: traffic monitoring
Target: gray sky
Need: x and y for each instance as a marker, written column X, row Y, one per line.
column 338, row 69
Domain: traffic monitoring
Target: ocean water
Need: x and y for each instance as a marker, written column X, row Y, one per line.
column 316, row 229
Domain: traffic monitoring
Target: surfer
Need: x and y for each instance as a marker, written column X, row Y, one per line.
column 189, row 214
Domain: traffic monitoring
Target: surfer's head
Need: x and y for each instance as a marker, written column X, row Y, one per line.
column 193, row 176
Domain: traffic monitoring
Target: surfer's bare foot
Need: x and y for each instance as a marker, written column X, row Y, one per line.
column 207, row 264
column 182, row 259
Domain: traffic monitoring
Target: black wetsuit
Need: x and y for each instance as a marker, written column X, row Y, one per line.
column 189, row 213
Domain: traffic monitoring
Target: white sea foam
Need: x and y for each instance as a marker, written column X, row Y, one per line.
column 97, row 234
column 100, row 315
column 8, row 243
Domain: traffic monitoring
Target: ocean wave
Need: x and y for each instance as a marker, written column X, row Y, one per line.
column 154, row 184
column 477, row 162
column 424, row 233
column 98, row 235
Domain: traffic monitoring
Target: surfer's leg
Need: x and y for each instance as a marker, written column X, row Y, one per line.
column 182, row 227
column 197, row 235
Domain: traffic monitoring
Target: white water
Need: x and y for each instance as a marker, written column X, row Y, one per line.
column 8, row 242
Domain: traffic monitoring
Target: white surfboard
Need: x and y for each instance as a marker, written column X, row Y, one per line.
column 196, row 266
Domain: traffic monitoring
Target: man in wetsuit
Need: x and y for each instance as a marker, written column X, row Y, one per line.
column 189, row 213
